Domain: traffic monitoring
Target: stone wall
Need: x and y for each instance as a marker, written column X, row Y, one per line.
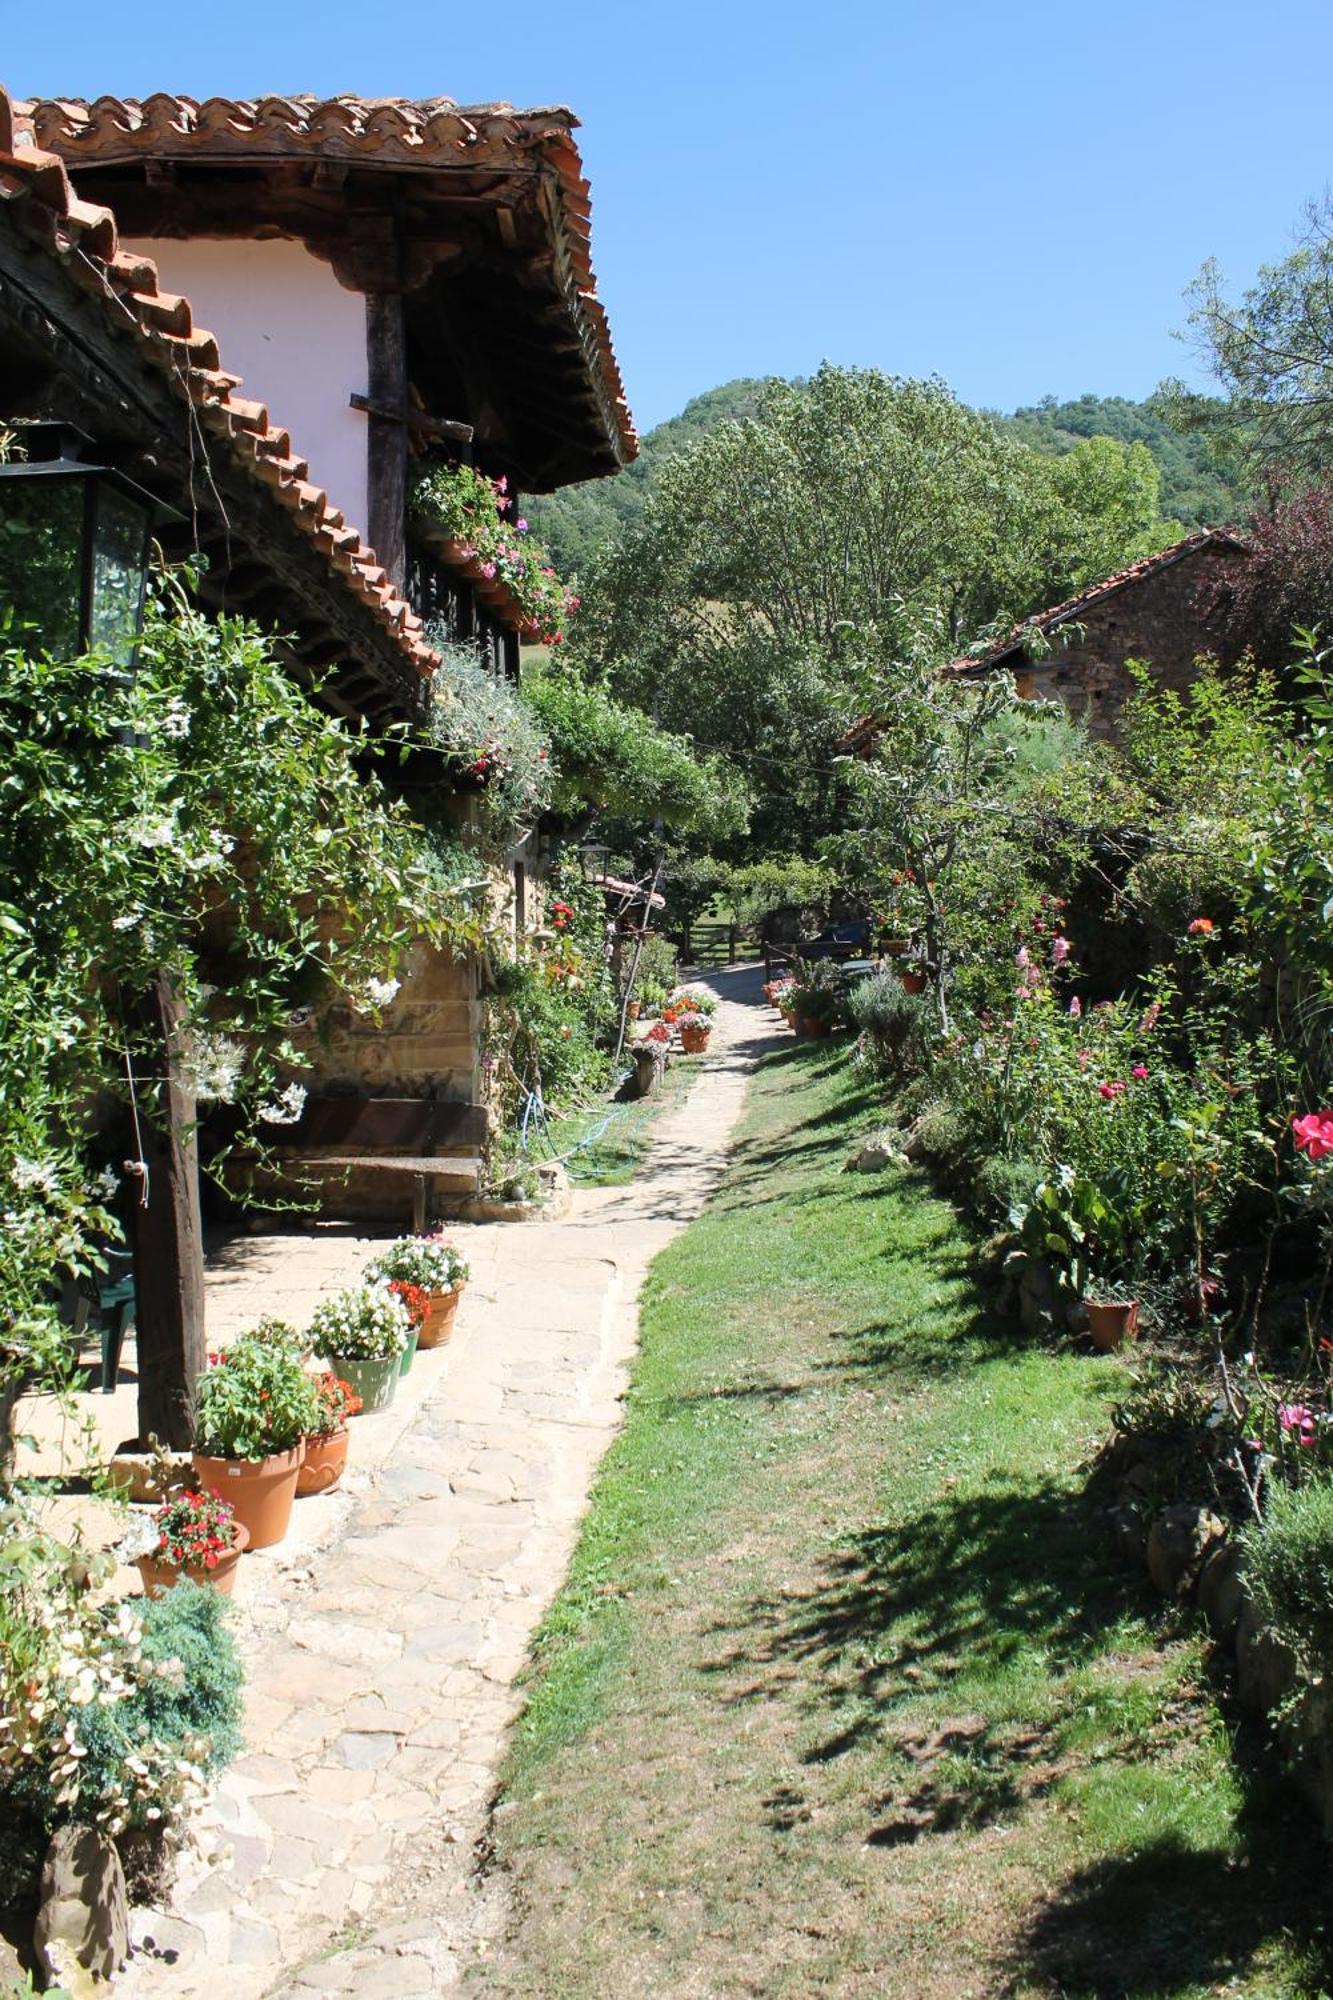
column 426, row 1038
column 1156, row 619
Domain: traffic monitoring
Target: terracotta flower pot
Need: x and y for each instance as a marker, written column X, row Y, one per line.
column 694, row 1040
column 260, row 1490
column 438, row 1325
column 913, row 982
column 632, row 1011
column 375, row 1381
column 323, row 1464
column 811, row 1029
column 1112, row 1325
column 159, row 1577
column 409, row 1354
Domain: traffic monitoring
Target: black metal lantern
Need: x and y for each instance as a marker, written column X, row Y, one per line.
column 74, row 545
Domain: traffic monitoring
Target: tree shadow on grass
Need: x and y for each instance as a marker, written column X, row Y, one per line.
column 1170, row 1917
column 898, row 1608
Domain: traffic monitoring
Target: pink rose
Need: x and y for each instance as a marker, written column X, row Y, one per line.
column 1140, row 1070
column 1060, row 950
column 1314, row 1133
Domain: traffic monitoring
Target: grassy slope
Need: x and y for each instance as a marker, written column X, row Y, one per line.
column 846, row 1692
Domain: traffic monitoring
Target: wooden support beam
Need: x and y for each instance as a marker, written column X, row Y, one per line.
column 387, row 453
column 167, row 1234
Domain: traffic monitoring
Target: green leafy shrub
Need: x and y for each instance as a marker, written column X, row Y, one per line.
column 115, row 1712
column 491, row 738
column 897, row 1026
column 191, row 1705
column 255, row 1400
column 1288, row 1567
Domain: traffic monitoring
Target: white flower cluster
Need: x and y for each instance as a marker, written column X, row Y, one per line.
column 80, row 1658
column 174, row 721
column 427, row 1261
column 213, row 1064
column 377, row 993
column 35, row 1176
column 287, row 1108
column 364, row 1323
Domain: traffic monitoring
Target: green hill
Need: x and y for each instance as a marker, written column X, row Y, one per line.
column 1194, row 489
column 576, row 521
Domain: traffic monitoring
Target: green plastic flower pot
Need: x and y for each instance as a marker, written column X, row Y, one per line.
column 409, row 1353
column 374, row 1381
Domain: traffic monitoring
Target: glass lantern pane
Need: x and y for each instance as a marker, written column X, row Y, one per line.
column 120, row 550
column 41, row 540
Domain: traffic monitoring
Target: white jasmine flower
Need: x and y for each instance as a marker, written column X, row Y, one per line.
column 288, row 1108
column 155, row 833
column 175, row 718
column 213, row 1064
column 39, row 1174
column 379, row 992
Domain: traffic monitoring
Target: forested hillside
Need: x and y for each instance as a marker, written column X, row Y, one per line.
column 1193, row 491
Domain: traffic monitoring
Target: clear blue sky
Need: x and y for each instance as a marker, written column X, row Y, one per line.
column 1011, row 196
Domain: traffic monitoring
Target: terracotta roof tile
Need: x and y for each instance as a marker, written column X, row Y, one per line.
column 417, row 132
column 38, row 186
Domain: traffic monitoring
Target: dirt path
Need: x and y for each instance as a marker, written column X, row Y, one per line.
column 382, row 1646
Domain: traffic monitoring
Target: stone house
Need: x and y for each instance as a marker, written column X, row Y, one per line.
column 397, row 279
column 1150, row 611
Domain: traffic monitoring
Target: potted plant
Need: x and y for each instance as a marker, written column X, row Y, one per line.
column 651, row 995
column 194, row 1535
column 815, row 1002
column 912, row 974
column 693, row 1000
column 434, row 1267
column 1113, row 1319
column 694, row 1031
column 326, row 1445
column 417, row 1303
column 254, row 1410
column 361, row 1333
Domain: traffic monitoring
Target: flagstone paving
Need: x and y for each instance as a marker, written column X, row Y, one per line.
column 383, row 1640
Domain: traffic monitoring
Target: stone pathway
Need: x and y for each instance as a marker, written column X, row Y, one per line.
column 382, row 1642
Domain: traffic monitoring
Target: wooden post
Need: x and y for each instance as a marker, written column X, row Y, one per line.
column 167, row 1237
column 386, row 443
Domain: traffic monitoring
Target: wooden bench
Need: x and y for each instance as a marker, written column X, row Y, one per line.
column 425, row 1141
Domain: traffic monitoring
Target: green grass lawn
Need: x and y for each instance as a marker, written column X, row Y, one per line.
column 847, row 1691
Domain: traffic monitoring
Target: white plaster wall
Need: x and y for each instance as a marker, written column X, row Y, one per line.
column 296, row 335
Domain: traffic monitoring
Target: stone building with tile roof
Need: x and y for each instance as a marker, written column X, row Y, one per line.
column 1077, row 652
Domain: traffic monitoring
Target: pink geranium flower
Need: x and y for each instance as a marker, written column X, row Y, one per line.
column 1060, row 950
column 1298, row 1421
column 1140, row 1070
column 1314, row 1133
column 1075, row 1008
